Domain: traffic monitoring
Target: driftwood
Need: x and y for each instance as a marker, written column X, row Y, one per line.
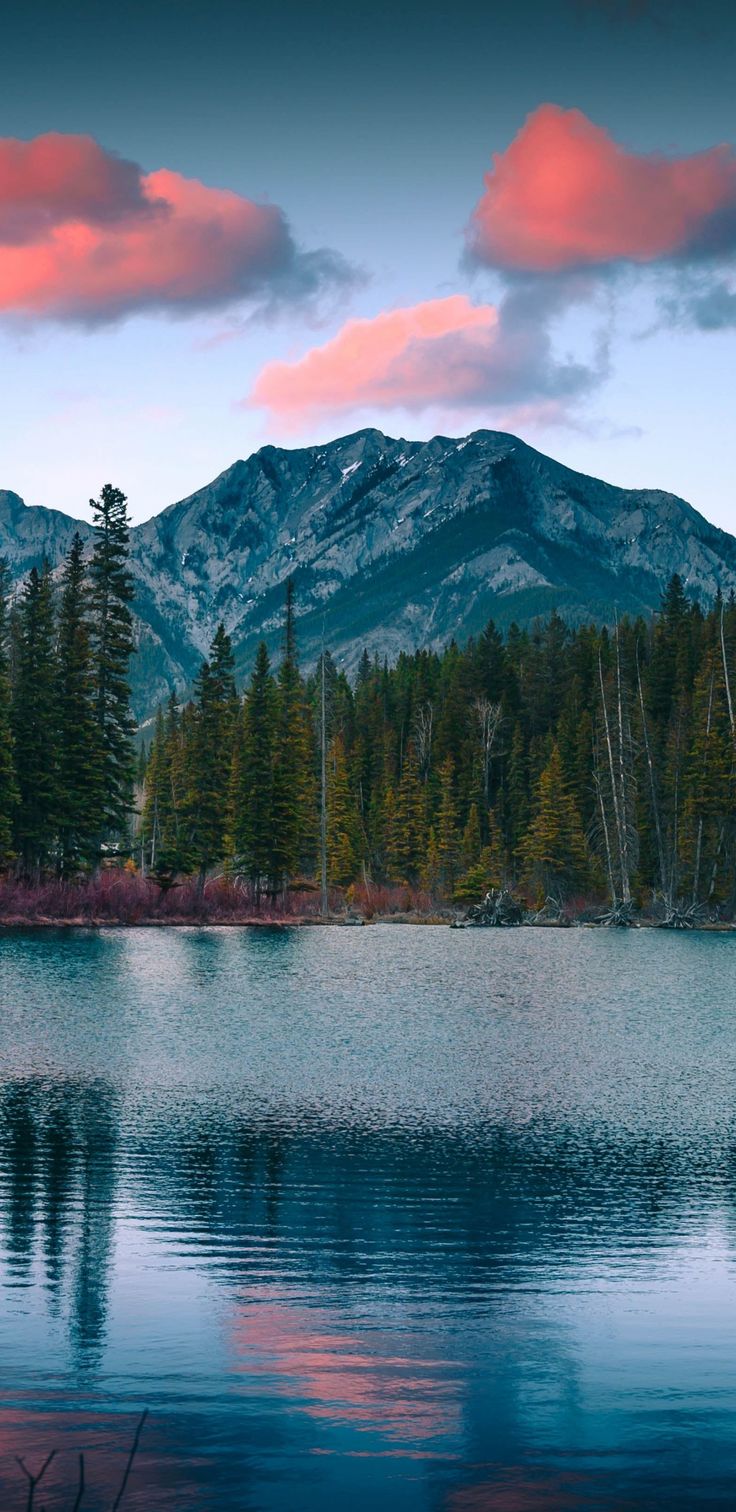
column 551, row 912
column 498, row 910
column 684, row 916
column 620, row 916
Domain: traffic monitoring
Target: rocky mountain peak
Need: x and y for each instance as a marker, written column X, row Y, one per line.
column 393, row 544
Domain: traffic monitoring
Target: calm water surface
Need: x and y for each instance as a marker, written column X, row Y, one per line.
column 393, row 1217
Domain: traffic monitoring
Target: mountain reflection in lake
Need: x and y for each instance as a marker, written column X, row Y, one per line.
column 388, row 1217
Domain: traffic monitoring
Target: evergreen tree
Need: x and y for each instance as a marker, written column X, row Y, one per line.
column 253, row 769
column 293, row 780
column 8, row 781
column 407, row 836
column 79, row 776
column 553, row 852
column 154, row 796
column 343, row 822
column 112, row 647
column 517, row 788
column 447, row 831
column 430, row 873
column 36, row 725
column 471, row 842
column 215, row 705
column 710, row 793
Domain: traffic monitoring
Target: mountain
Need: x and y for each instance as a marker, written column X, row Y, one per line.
column 393, row 544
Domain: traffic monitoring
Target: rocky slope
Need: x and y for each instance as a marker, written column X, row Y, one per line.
column 393, row 544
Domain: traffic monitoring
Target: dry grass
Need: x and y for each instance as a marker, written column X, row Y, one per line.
column 119, row 897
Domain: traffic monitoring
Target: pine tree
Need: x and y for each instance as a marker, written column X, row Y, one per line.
column 206, row 803
column 36, row 725
column 180, row 731
column 407, row 836
column 446, row 828
column 293, row 783
column 471, row 842
column 112, row 647
column 553, row 852
column 710, row 792
column 430, row 872
column 8, row 781
column 79, row 753
column 252, row 820
column 517, row 787
column 154, row 796
column 343, row 822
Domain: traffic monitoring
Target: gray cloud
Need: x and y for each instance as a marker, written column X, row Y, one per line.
column 709, row 306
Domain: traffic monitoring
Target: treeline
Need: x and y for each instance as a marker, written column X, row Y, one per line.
column 557, row 761
column 554, row 761
column 66, row 754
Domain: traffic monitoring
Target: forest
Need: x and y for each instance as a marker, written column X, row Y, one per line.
column 590, row 766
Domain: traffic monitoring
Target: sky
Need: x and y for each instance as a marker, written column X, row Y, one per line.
column 225, row 224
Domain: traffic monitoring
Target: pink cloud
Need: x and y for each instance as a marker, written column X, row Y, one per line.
column 565, row 195
column 86, row 235
column 387, row 360
column 443, row 352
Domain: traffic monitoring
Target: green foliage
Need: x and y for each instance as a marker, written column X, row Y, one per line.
column 252, row 782
column 487, row 871
column 8, row 781
column 406, row 830
column 36, row 724
column 561, row 759
column 112, row 645
column 343, row 819
column 554, row 853
column 208, row 774
column 550, row 725
column 294, row 782
column 80, row 764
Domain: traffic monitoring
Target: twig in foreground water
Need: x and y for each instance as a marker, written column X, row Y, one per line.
column 131, row 1457
column 33, row 1480
column 80, row 1491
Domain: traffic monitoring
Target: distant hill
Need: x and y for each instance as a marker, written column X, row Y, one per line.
column 393, row 544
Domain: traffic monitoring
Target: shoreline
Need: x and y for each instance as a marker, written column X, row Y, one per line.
column 310, row 921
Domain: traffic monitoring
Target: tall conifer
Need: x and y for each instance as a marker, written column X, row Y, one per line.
column 112, row 647
column 252, row 789
column 80, row 772
column 8, row 781
column 293, row 783
column 36, row 724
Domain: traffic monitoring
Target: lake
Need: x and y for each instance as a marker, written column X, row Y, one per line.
column 389, row 1217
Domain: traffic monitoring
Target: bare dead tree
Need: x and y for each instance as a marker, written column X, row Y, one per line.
column 675, row 840
column 423, row 731
column 622, row 777
column 666, row 893
column 323, row 785
column 488, row 719
column 726, row 676
column 615, row 789
column 699, row 840
column 604, row 829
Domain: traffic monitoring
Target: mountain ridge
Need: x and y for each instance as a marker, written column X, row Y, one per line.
column 393, row 544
